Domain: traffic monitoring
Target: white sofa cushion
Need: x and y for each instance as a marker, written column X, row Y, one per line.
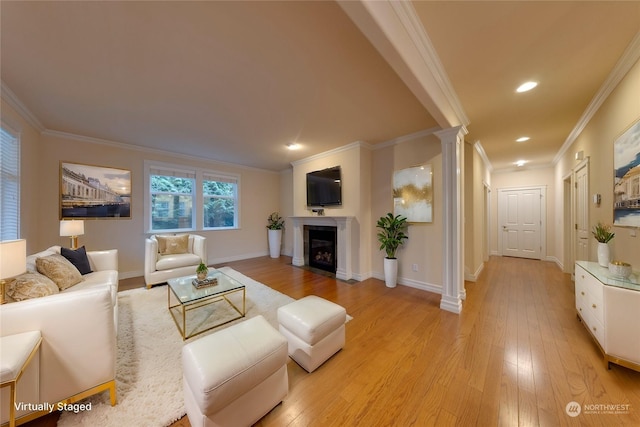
column 167, row 262
column 99, row 278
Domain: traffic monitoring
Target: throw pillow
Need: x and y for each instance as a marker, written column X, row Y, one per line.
column 168, row 245
column 77, row 257
column 57, row 268
column 31, row 285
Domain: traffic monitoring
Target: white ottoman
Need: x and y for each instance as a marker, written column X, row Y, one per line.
column 235, row 376
column 314, row 328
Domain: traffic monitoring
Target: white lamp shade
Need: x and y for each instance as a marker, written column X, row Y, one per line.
column 72, row 228
column 13, row 258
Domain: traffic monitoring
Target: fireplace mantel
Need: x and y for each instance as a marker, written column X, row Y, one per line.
column 343, row 224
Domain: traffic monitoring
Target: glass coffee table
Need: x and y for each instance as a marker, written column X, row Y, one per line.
column 197, row 308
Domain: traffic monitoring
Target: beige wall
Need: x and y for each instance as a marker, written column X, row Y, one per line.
column 286, row 209
column 354, row 160
column 424, row 246
column 617, row 113
column 475, row 213
column 259, row 190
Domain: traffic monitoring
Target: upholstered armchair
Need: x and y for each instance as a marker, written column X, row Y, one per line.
column 171, row 256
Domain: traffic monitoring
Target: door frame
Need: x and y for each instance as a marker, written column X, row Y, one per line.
column 574, row 209
column 543, row 217
column 568, row 223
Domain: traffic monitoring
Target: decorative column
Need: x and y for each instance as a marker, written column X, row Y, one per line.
column 343, row 268
column 298, row 242
column 453, row 291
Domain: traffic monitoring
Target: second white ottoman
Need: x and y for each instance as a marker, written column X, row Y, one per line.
column 314, row 328
column 235, row 376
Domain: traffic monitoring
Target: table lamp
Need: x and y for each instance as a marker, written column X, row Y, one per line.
column 13, row 261
column 72, row 229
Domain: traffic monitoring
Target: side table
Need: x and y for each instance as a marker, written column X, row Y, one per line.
column 16, row 351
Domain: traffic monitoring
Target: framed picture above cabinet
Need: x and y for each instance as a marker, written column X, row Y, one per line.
column 626, row 168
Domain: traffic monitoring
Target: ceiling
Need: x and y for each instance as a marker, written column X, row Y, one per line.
column 237, row 81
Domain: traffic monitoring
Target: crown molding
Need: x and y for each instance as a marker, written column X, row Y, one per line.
column 357, row 144
column 406, row 138
column 133, row 147
column 523, row 168
column 12, row 99
column 629, row 57
column 483, row 155
column 416, row 31
column 395, row 30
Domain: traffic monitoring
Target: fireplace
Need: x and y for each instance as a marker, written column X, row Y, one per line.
column 345, row 239
column 321, row 247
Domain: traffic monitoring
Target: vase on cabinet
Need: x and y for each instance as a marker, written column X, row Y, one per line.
column 275, row 240
column 603, row 254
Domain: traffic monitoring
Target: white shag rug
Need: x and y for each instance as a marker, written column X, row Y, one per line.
column 149, row 367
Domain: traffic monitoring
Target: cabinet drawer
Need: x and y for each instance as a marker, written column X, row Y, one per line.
column 596, row 308
column 597, row 329
column 595, row 288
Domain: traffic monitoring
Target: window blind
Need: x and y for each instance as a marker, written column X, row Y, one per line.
column 9, row 185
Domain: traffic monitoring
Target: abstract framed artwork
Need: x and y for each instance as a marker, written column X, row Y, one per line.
column 626, row 167
column 413, row 193
column 94, row 192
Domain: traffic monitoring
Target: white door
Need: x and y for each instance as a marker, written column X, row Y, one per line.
column 582, row 211
column 520, row 222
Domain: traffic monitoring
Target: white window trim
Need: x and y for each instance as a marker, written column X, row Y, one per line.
column 198, row 197
column 15, row 133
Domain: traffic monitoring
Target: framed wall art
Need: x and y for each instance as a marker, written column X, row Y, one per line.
column 626, row 167
column 90, row 192
column 413, row 193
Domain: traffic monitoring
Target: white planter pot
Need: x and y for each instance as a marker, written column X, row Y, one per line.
column 603, row 254
column 275, row 240
column 390, row 272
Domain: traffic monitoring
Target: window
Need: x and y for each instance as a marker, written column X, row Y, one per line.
column 220, row 201
column 9, row 185
column 181, row 199
column 172, row 194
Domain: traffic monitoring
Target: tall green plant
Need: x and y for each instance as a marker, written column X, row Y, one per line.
column 391, row 233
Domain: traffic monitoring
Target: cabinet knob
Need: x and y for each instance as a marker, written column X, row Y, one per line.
column 594, row 328
column 580, row 309
column 593, row 305
column 582, row 293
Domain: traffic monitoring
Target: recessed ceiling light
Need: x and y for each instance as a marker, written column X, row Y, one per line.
column 293, row 146
column 526, row 86
column 523, row 139
column 520, row 163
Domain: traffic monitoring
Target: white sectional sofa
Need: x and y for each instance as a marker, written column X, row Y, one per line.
column 77, row 357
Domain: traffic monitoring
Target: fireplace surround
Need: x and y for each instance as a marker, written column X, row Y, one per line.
column 344, row 245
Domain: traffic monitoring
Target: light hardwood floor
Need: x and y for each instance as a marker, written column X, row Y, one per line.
column 516, row 356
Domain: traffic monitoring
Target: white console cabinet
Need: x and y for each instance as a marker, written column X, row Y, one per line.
column 609, row 308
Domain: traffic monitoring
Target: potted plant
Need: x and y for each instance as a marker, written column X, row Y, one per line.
column 603, row 235
column 275, row 224
column 391, row 235
column 202, row 271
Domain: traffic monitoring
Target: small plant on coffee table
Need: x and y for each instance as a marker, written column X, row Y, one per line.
column 202, row 271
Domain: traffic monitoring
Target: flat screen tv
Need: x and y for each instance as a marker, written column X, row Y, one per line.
column 324, row 187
